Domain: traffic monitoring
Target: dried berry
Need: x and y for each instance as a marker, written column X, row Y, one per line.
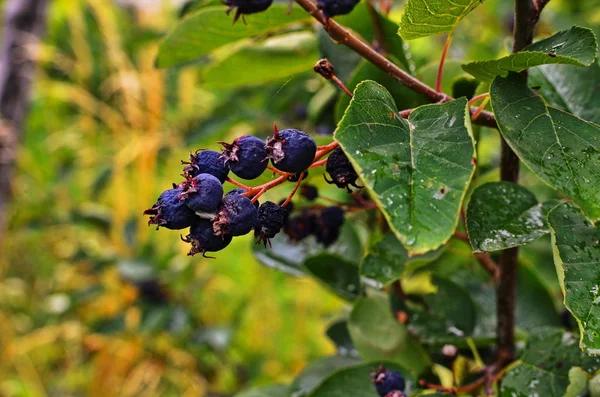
column 203, row 193
column 245, row 157
column 300, row 226
column 340, row 170
column 271, row 218
column 291, row 150
column 170, row 212
column 206, row 162
column 203, row 238
column 386, row 382
column 237, row 216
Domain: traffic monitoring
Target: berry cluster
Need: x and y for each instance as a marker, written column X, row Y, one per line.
column 388, row 383
column 214, row 218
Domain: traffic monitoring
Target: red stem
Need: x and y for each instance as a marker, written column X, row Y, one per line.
column 440, row 72
column 289, row 198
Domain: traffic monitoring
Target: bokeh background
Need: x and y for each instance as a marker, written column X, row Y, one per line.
column 95, row 302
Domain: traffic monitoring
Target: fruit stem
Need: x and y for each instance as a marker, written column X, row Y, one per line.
column 236, row 183
column 477, row 98
column 318, row 163
column 341, row 85
column 275, row 170
column 289, row 198
column 440, row 72
column 480, row 108
column 323, row 150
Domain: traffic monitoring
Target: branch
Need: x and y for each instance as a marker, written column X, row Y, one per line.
column 344, row 36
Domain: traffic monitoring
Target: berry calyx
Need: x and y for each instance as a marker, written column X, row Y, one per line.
column 336, row 7
column 291, row 150
column 271, row 218
column 170, row 212
column 245, row 156
column 242, row 7
column 206, row 162
column 202, row 193
column 204, row 240
column 387, row 382
column 341, row 171
column 237, row 216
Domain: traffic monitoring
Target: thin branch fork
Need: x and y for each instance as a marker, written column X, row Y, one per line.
column 344, row 36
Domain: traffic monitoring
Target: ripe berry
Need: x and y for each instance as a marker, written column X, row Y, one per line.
column 271, row 218
column 387, row 382
column 152, row 292
column 239, row 190
column 206, row 162
column 329, row 223
column 245, row 156
column 203, row 238
column 336, row 7
column 341, row 171
column 301, row 226
column 202, row 193
column 309, row 192
column 237, row 216
column 291, row 150
column 247, row 7
column 170, row 212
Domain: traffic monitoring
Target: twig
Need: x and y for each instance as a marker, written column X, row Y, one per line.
column 480, row 108
column 440, row 72
column 289, row 198
column 344, row 36
column 236, row 183
column 477, row 98
column 326, row 69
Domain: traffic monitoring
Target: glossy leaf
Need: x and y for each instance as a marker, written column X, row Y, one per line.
column 356, row 381
column 503, row 215
column 576, row 246
column 426, row 17
column 547, row 360
column 276, row 58
column 316, row 372
column 336, row 273
column 570, row 88
column 210, row 28
column 560, row 148
column 266, row 391
column 417, row 171
column 576, row 46
column 377, row 335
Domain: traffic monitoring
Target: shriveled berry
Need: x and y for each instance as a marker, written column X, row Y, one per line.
column 170, row 212
column 329, row 224
column 309, row 192
column 271, row 218
column 245, row 156
column 203, row 193
column 237, row 216
column 340, row 170
column 247, row 6
column 203, row 238
column 386, row 381
column 291, row 150
column 336, row 7
column 206, row 162
column 301, row 226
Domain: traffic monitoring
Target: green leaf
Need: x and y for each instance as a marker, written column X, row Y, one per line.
column 267, row 391
column 503, row 215
column 426, row 17
column 576, row 46
column 388, row 259
column 577, row 259
column 338, row 333
column 445, row 315
column 274, row 59
column 210, row 28
column 416, row 171
column 377, row 335
column 560, row 148
column 336, row 273
column 577, row 382
column 316, row 372
column 570, row 88
column 547, row 360
column 356, row 381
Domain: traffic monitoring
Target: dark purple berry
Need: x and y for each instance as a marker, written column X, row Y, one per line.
column 329, row 224
column 170, row 212
column 291, row 150
column 206, row 162
column 271, row 218
column 300, row 226
column 340, row 170
column 203, row 238
column 245, row 156
column 247, row 7
column 239, row 190
column 237, row 216
column 336, row 7
column 386, row 382
column 152, row 292
column 309, row 192
column 203, row 193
